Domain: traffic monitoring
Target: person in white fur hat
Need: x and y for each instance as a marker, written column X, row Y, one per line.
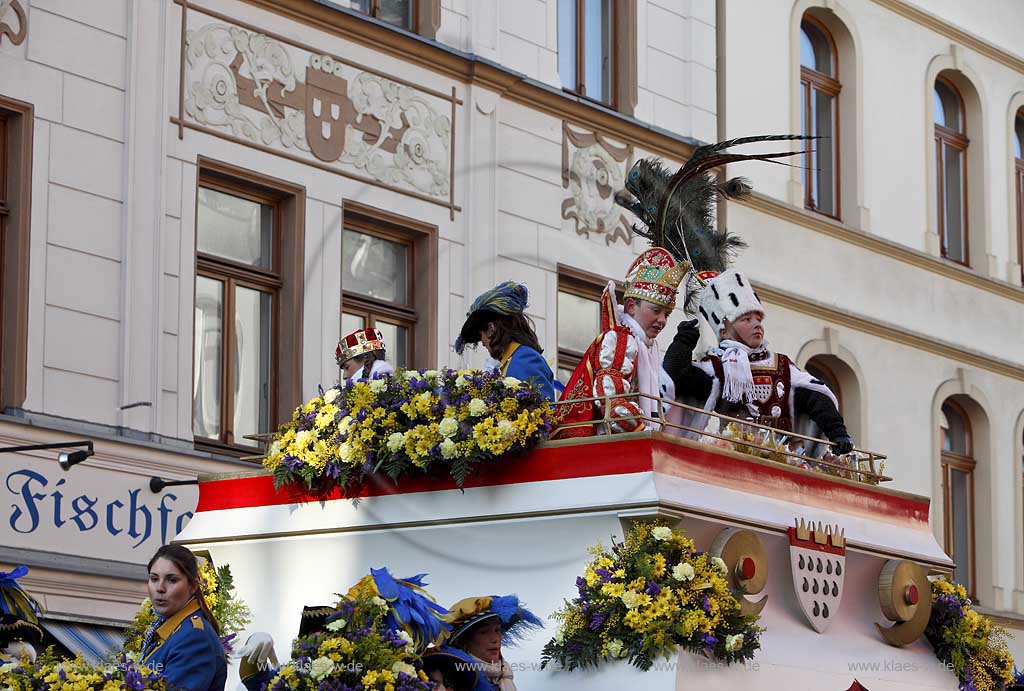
column 742, row 377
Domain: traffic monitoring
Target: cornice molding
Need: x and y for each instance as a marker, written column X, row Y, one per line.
column 874, row 243
column 888, row 332
column 470, row 69
column 965, row 38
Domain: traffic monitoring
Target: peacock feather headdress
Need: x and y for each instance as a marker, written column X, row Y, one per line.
column 676, row 211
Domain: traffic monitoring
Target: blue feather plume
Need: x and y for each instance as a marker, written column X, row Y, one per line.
column 516, row 620
column 410, row 609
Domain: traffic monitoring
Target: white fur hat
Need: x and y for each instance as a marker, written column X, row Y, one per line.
column 728, row 296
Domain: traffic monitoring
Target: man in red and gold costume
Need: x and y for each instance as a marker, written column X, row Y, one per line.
column 624, row 358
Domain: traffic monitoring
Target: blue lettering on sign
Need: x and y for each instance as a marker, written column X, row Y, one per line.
column 33, row 491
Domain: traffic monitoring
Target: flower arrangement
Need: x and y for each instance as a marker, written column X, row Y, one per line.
column 644, row 597
column 356, row 651
column 231, row 612
column 50, row 673
column 405, row 423
column 968, row 641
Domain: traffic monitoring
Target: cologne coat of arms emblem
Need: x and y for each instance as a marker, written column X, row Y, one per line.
column 817, row 556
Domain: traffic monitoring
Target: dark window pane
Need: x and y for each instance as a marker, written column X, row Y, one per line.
column 567, row 43
column 959, row 521
column 396, row 12
column 578, row 321
column 252, row 362
column 234, row 228
column 825, row 375
column 947, row 107
column 396, row 339
column 953, row 195
column 805, row 122
column 208, row 357
column 375, row 267
column 597, row 35
column 815, row 49
column 955, row 433
column 824, row 159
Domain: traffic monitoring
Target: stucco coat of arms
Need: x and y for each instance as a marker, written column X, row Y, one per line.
column 279, row 96
column 593, row 168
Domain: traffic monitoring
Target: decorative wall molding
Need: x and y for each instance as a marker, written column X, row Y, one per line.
column 954, row 33
column 874, row 243
column 593, row 169
column 289, row 98
column 11, row 10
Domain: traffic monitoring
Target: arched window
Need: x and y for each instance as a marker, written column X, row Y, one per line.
column 817, row 368
column 951, row 170
column 958, row 491
column 819, row 95
column 1018, row 183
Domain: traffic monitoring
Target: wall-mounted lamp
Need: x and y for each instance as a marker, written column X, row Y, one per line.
column 66, row 459
column 157, row 484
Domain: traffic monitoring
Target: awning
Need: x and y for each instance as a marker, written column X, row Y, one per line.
column 94, row 642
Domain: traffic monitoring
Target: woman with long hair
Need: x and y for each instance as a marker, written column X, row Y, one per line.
column 183, row 642
column 497, row 319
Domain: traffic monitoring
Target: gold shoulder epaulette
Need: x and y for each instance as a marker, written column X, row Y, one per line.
column 197, row 622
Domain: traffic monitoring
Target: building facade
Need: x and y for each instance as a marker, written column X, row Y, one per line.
column 205, row 195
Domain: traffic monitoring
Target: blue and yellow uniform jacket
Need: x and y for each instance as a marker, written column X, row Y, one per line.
column 525, row 363
column 187, row 650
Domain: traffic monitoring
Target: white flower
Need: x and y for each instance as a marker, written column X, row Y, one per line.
column 7, row 668
column 449, row 449
column 275, row 448
column 506, row 428
column 615, row 647
column 336, row 625
column 345, row 423
column 448, row 426
column 330, row 395
column 461, row 382
column 396, row 440
column 404, row 635
column 405, row 667
column 477, row 407
column 682, row 572
column 378, row 385
column 719, row 564
column 321, row 667
column 662, row 533
column 411, row 374
column 511, row 382
column 303, row 438
column 734, row 643
column 431, row 375
column 560, row 635
column 631, row 599
column 380, row 602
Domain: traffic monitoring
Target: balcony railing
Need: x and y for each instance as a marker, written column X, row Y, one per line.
column 733, row 434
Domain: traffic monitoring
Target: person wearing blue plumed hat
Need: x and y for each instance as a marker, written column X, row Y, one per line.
column 498, row 320
column 20, row 631
column 482, row 625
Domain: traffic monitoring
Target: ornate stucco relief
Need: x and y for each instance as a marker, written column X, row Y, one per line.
column 593, row 169
column 279, row 96
column 12, row 14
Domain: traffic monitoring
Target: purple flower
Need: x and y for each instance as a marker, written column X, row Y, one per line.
column 707, row 604
column 653, row 589
column 709, row 642
column 597, row 620
column 132, row 680
column 605, row 574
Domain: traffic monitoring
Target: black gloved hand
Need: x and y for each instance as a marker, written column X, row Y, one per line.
column 687, row 335
column 843, row 446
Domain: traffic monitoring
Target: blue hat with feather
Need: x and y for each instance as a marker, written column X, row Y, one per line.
column 516, row 620
column 504, row 299
column 410, row 607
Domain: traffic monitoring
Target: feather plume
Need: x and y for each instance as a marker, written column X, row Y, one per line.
column 676, row 211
